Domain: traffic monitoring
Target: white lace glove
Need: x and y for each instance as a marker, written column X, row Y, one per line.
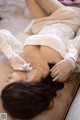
column 18, row 63
column 62, row 70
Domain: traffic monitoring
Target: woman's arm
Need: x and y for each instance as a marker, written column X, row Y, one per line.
column 6, row 42
column 62, row 71
column 36, row 10
column 5, row 47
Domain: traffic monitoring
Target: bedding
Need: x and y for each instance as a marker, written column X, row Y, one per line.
column 74, row 112
column 70, row 2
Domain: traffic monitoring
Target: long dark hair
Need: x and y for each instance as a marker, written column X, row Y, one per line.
column 25, row 100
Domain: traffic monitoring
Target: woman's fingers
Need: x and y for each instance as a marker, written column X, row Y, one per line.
column 57, row 78
column 54, row 68
column 55, row 73
column 62, row 70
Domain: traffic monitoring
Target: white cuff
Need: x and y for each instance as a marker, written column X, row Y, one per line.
column 73, row 53
column 72, row 61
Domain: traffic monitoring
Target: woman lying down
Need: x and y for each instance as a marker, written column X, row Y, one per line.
column 32, row 87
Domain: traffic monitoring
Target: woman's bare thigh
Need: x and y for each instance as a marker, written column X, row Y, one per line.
column 36, row 10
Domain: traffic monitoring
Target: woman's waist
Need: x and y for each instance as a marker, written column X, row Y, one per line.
column 52, row 41
column 60, row 30
column 54, row 26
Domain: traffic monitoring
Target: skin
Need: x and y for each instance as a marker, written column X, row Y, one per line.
column 40, row 14
column 53, row 5
column 41, row 56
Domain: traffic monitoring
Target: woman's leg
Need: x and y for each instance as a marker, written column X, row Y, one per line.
column 36, row 10
column 50, row 6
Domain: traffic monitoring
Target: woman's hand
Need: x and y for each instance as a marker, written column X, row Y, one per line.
column 18, row 63
column 62, row 70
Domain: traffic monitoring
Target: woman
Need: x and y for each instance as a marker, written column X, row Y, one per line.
column 27, row 93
